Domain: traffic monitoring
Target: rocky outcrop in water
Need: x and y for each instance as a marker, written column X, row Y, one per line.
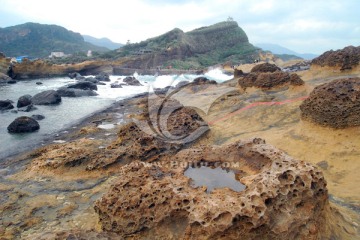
column 343, row 59
column 83, row 85
column 132, row 81
column 335, row 104
column 24, row 101
column 73, row 92
column 46, row 98
column 268, row 80
column 284, row 198
column 23, row 124
column 265, row 67
column 6, row 105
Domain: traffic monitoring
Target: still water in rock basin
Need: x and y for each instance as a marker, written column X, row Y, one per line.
column 72, row 110
column 213, row 178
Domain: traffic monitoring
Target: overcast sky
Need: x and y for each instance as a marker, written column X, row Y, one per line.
column 306, row 26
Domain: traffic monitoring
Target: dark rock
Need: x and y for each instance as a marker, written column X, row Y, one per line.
column 203, row 80
column 24, row 101
column 39, row 83
column 38, row 117
column 27, row 108
column 12, row 81
column 116, row 85
column 73, row 92
column 345, row 58
column 269, row 80
column 265, row 67
column 104, row 77
column 84, row 85
column 335, row 104
column 74, row 75
column 6, row 105
column 92, row 80
column 80, row 78
column 101, row 83
column 181, row 84
column 132, row 81
column 23, row 124
column 46, row 98
column 14, row 111
column 238, row 73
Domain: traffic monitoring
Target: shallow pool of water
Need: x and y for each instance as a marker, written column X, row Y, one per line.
column 213, row 178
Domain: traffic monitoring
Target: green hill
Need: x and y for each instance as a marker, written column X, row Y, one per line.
column 206, row 46
column 39, row 40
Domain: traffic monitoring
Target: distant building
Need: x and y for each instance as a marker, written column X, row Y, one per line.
column 21, row 58
column 57, row 55
column 89, row 53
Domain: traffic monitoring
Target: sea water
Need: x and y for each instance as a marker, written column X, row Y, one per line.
column 72, row 110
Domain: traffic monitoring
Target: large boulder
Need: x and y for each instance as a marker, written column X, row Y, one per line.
column 132, row 81
column 282, row 198
column 84, row 85
column 268, row 80
column 73, row 92
column 24, row 101
column 335, row 104
column 23, row 124
column 46, row 98
column 265, row 67
column 6, row 105
column 343, row 59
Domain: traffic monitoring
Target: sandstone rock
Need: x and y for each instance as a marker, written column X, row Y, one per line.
column 23, row 124
column 24, row 101
column 344, row 59
column 335, row 104
column 6, row 105
column 238, row 73
column 83, row 85
column 283, row 197
column 132, row 81
column 46, row 98
column 265, row 67
column 4, row 77
column 73, row 92
column 269, row 80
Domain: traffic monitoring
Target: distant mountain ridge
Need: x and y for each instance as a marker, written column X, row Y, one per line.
column 205, row 46
column 102, row 42
column 277, row 49
column 39, row 40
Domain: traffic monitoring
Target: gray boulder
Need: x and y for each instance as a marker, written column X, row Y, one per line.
column 24, row 101
column 73, row 92
column 46, row 98
column 6, row 105
column 84, row 85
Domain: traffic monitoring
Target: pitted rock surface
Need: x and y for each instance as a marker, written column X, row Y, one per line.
column 284, row 198
column 269, row 80
column 345, row 58
column 265, row 67
column 132, row 144
column 335, row 104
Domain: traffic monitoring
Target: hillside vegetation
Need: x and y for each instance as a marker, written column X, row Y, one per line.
column 39, row 40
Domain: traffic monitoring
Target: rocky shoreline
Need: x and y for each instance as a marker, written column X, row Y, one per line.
column 108, row 181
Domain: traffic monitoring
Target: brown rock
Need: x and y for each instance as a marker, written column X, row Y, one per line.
column 281, row 198
column 265, row 67
column 269, row 80
column 344, row 59
column 335, row 104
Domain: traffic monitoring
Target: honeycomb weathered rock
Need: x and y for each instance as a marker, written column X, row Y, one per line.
column 284, row 198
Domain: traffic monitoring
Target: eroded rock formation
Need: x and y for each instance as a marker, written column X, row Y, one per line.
column 284, row 198
column 344, row 59
column 268, row 80
column 265, row 67
column 335, row 104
